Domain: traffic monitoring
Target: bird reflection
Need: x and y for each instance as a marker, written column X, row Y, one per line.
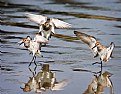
column 99, row 83
column 43, row 80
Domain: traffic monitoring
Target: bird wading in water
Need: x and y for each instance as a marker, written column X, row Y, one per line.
column 97, row 48
column 34, row 46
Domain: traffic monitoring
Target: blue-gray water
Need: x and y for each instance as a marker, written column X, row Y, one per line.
column 100, row 18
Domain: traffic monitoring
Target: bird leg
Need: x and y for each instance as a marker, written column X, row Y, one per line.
column 33, row 72
column 101, row 66
column 96, row 63
column 33, row 59
column 35, row 69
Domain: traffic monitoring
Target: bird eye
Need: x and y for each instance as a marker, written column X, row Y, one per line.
column 25, row 40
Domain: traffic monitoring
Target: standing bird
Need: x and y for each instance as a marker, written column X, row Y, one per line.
column 98, row 49
column 34, row 46
column 47, row 25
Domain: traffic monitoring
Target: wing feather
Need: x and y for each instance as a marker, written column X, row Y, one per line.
column 39, row 19
column 60, row 24
column 89, row 40
column 40, row 39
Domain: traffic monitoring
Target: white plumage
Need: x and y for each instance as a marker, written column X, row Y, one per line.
column 34, row 45
column 47, row 25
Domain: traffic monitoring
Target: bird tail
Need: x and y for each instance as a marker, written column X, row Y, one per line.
column 39, row 54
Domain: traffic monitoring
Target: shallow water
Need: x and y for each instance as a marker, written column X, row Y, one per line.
column 67, row 57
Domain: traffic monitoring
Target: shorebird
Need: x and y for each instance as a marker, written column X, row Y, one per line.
column 47, row 25
column 34, row 46
column 97, row 48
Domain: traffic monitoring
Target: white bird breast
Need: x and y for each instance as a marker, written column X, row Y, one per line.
column 40, row 39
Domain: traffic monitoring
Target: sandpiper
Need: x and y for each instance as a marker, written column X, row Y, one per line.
column 34, row 46
column 47, row 25
column 98, row 49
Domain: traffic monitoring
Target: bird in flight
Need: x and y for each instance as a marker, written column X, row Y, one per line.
column 47, row 25
column 97, row 48
column 34, row 46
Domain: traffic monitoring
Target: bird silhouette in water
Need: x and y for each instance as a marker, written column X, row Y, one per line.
column 47, row 25
column 34, row 46
column 98, row 49
column 43, row 80
column 100, row 83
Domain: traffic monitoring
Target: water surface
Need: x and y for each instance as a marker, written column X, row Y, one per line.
column 68, row 57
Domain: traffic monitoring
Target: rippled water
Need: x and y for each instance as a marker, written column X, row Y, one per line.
column 68, row 57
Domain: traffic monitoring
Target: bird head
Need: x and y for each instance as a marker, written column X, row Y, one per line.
column 26, row 41
column 46, row 26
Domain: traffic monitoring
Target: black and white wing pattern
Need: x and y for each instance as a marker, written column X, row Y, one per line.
column 39, row 19
column 60, row 24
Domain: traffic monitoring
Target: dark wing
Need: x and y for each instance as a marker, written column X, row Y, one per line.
column 39, row 19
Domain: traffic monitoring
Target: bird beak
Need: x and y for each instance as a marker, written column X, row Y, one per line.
column 110, row 74
column 23, row 85
column 22, row 88
column 20, row 42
